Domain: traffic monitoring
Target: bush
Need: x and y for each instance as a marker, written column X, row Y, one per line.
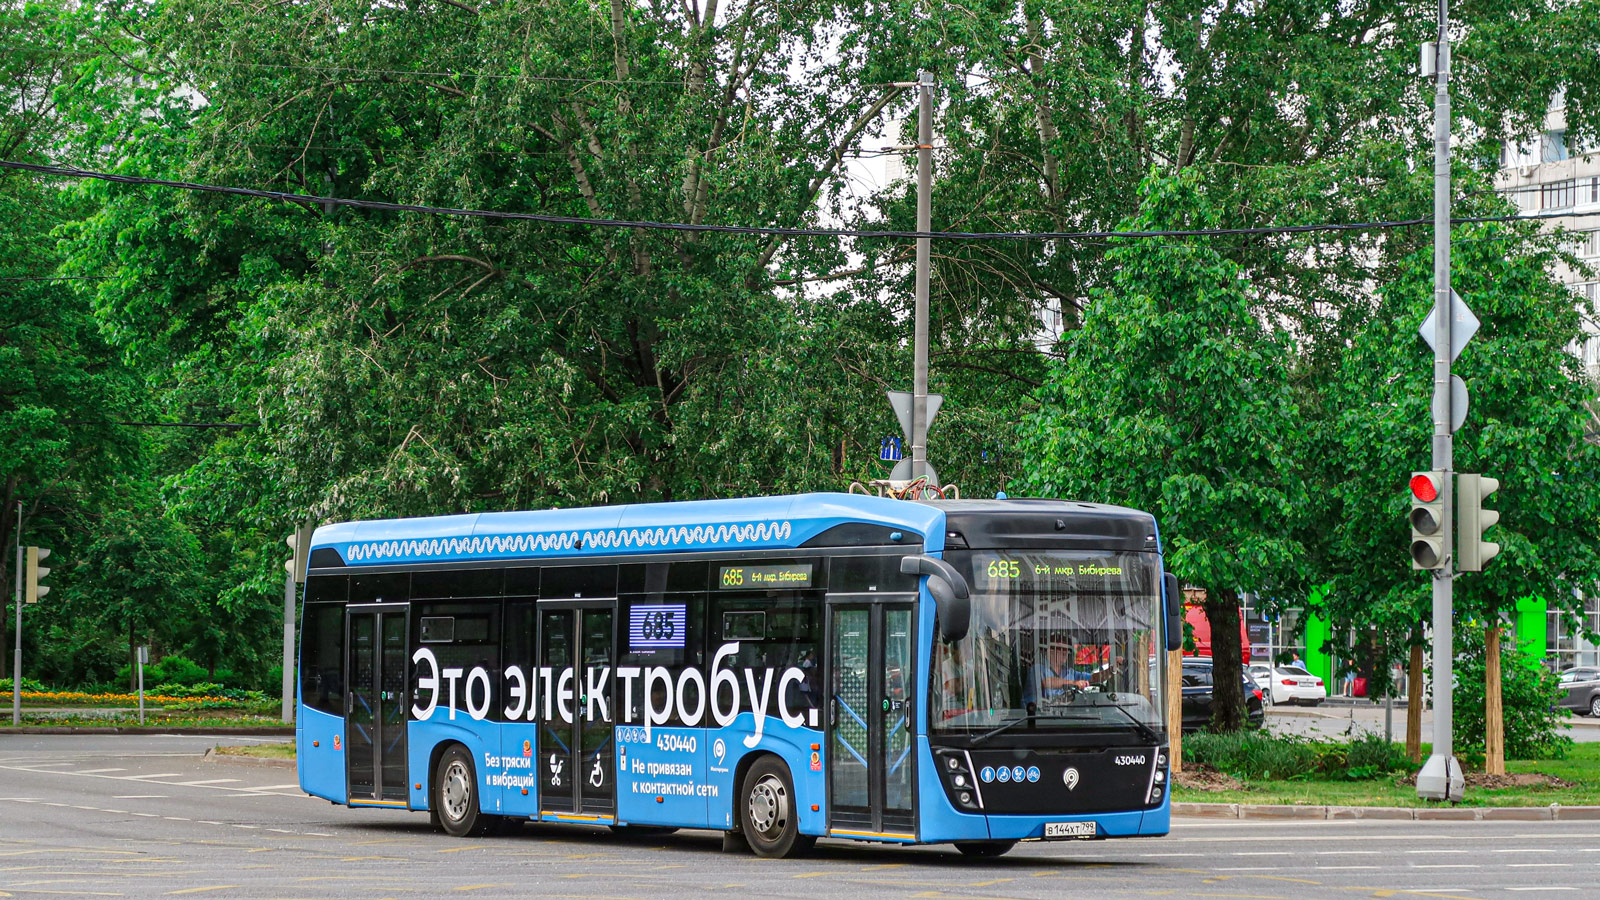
column 1528, row 695
column 28, row 684
column 1266, row 757
column 1251, row 754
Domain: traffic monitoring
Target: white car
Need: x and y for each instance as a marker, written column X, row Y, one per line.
column 1261, row 675
column 1292, row 684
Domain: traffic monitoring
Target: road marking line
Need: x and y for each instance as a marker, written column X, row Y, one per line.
column 1524, row 850
column 1249, row 869
column 1541, row 888
column 1265, row 853
column 1447, row 866
column 98, row 771
column 478, row 887
column 278, row 787
column 1539, row 865
column 1321, row 868
column 1173, row 854
column 141, row 797
column 207, row 781
column 201, row 890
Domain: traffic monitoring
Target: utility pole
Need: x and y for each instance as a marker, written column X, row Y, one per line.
column 1440, row 778
column 919, row 379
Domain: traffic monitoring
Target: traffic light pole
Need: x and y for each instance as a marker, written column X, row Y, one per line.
column 1440, row 778
column 16, row 659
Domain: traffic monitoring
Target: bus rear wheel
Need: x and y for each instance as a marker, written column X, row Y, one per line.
column 768, row 814
column 984, row 849
column 455, row 796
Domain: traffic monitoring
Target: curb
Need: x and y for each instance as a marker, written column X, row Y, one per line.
column 211, row 755
column 1553, row 812
column 251, row 731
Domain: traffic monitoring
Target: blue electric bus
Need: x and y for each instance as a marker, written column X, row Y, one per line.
column 780, row 669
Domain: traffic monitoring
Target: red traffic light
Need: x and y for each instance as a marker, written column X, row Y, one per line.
column 1423, row 488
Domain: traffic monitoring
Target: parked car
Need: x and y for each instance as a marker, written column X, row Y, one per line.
column 1582, row 686
column 1261, row 674
column 1198, row 686
column 1292, row 684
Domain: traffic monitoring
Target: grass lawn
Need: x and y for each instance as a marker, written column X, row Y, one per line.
column 1581, row 769
column 260, row 751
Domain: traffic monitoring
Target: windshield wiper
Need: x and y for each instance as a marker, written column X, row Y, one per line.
column 1031, row 717
column 1145, row 731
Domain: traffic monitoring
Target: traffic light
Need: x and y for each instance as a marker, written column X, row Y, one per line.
column 35, row 590
column 1427, row 520
column 300, row 543
column 1472, row 520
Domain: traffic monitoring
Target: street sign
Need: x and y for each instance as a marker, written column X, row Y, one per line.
column 1458, row 403
column 889, row 449
column 1463, row 325
column 901, row 401
column 902, row 472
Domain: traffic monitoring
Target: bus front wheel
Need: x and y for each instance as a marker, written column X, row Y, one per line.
column 984, row 849
column 769, row 816
column 455, row 796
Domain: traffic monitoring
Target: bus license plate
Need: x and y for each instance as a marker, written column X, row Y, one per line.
column 1069, row 829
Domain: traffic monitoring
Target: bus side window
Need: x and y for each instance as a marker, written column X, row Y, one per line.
column 517, row 649
column 322, row 657
column 665, row 630
column 775, row 630
column 465, row 636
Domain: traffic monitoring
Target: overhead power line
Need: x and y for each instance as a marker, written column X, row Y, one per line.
column 384, row 206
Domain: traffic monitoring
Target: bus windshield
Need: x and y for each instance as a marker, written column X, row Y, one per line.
column 1061, row 641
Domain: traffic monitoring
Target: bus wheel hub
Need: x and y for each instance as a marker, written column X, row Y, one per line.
column 767, row 805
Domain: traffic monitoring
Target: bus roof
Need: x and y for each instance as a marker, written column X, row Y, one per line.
column 751, row 523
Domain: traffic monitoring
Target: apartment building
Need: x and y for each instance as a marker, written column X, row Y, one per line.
column 1556, row 174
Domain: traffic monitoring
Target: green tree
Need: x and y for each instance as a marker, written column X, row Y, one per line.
column 1526, row 426
column 1174, row 398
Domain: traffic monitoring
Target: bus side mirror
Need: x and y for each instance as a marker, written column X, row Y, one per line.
column 1174, row 599
column 951, row 596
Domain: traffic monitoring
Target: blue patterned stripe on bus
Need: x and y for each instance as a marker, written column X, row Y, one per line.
column 682, row 537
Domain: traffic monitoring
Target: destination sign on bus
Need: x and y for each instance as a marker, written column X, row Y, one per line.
column 795, row 575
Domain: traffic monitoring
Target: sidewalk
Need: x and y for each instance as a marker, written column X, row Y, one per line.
column 1553, row 812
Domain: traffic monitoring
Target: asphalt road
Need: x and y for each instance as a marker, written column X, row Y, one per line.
column 1329, row 721
column 144, row 816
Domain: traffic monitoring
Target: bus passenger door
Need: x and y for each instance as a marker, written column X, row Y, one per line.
column 375, row 705
column 576, row 649
column 870, row 723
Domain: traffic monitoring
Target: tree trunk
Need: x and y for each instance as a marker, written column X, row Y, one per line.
column 1494, row 725
column 1227, row 660
column 1175, row 708
column 1414, row 701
